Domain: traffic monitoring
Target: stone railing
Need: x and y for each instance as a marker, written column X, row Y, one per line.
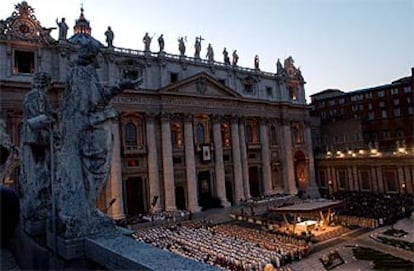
column 194, row 60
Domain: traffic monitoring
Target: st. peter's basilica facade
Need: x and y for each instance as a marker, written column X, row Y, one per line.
column 197, row 130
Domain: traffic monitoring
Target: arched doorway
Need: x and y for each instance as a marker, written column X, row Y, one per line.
column 301, row 172
column 180, row 198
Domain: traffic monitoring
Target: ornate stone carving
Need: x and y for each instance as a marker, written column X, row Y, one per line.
column 201, row 85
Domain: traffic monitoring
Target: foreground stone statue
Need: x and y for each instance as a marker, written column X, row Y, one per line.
column 86, row 146
column 35, row 151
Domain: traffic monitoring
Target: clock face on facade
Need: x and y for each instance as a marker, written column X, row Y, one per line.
column 24, row 28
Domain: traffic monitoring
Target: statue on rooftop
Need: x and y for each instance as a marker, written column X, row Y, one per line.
column 147, row 42
column 235, row 57
column 197, row 47
column 210, row 53
column 256, row 62
column 181, row 46
column 109, row 34
column 63, row 29
column 161, row 42
column 86, row 145
column 226, row 56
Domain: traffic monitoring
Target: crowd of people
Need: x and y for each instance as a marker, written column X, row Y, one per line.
column 366, row 209
column 229, row 246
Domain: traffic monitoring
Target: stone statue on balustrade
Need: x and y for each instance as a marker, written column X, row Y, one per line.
column 235, row 57
column 256, row 62
column 147, row 42
column 161, row 42
column 197, row 47
column 63, row 29
column 226, row 57
column 86, row 146
column 181, row 45
column 279, row 69
column 35, row 155
column 210, row 53
column 109, row 34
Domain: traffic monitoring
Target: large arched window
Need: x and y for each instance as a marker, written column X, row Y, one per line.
column 131, row 138
column 200, row 133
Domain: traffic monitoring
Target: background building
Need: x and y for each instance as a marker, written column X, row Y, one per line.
column 197, row 131
column 363, row 140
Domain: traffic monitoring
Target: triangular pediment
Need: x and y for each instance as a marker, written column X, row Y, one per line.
column 200, row 84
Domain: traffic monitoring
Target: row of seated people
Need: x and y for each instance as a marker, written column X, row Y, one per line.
column 223, row 248
column 362, row 222
column 386, row 208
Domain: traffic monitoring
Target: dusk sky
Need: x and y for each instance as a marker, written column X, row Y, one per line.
column 344, row 44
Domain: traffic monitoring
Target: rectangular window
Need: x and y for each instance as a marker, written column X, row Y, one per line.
column 382, row 104
column 173, row 77
column 131, row 74
column 222, row 81
column 384, row 114
column 24, row 62
column 248, row 87
column 269, row 91
column 394, row 91
column 370, row 106
column 407, row 89
column 371, row 115
column 381, row 93
column 133, row 163
column 396, row 102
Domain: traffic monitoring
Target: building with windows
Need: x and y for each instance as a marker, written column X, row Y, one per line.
column 197, row 130
column 363, row 139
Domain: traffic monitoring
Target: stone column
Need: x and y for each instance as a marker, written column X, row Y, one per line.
column 153, row 166
column 264, row 142
column 313, row 189
column 167, row 164
column 408, row 180
column 218, row 162
column 401, row 180
column 350, row 176
column 190, row 168
column 357, row 185
column 381, row 187
column 374, row 180
column 287, row 154
column 116, row 211
column 237, row 167
column 244, row 162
